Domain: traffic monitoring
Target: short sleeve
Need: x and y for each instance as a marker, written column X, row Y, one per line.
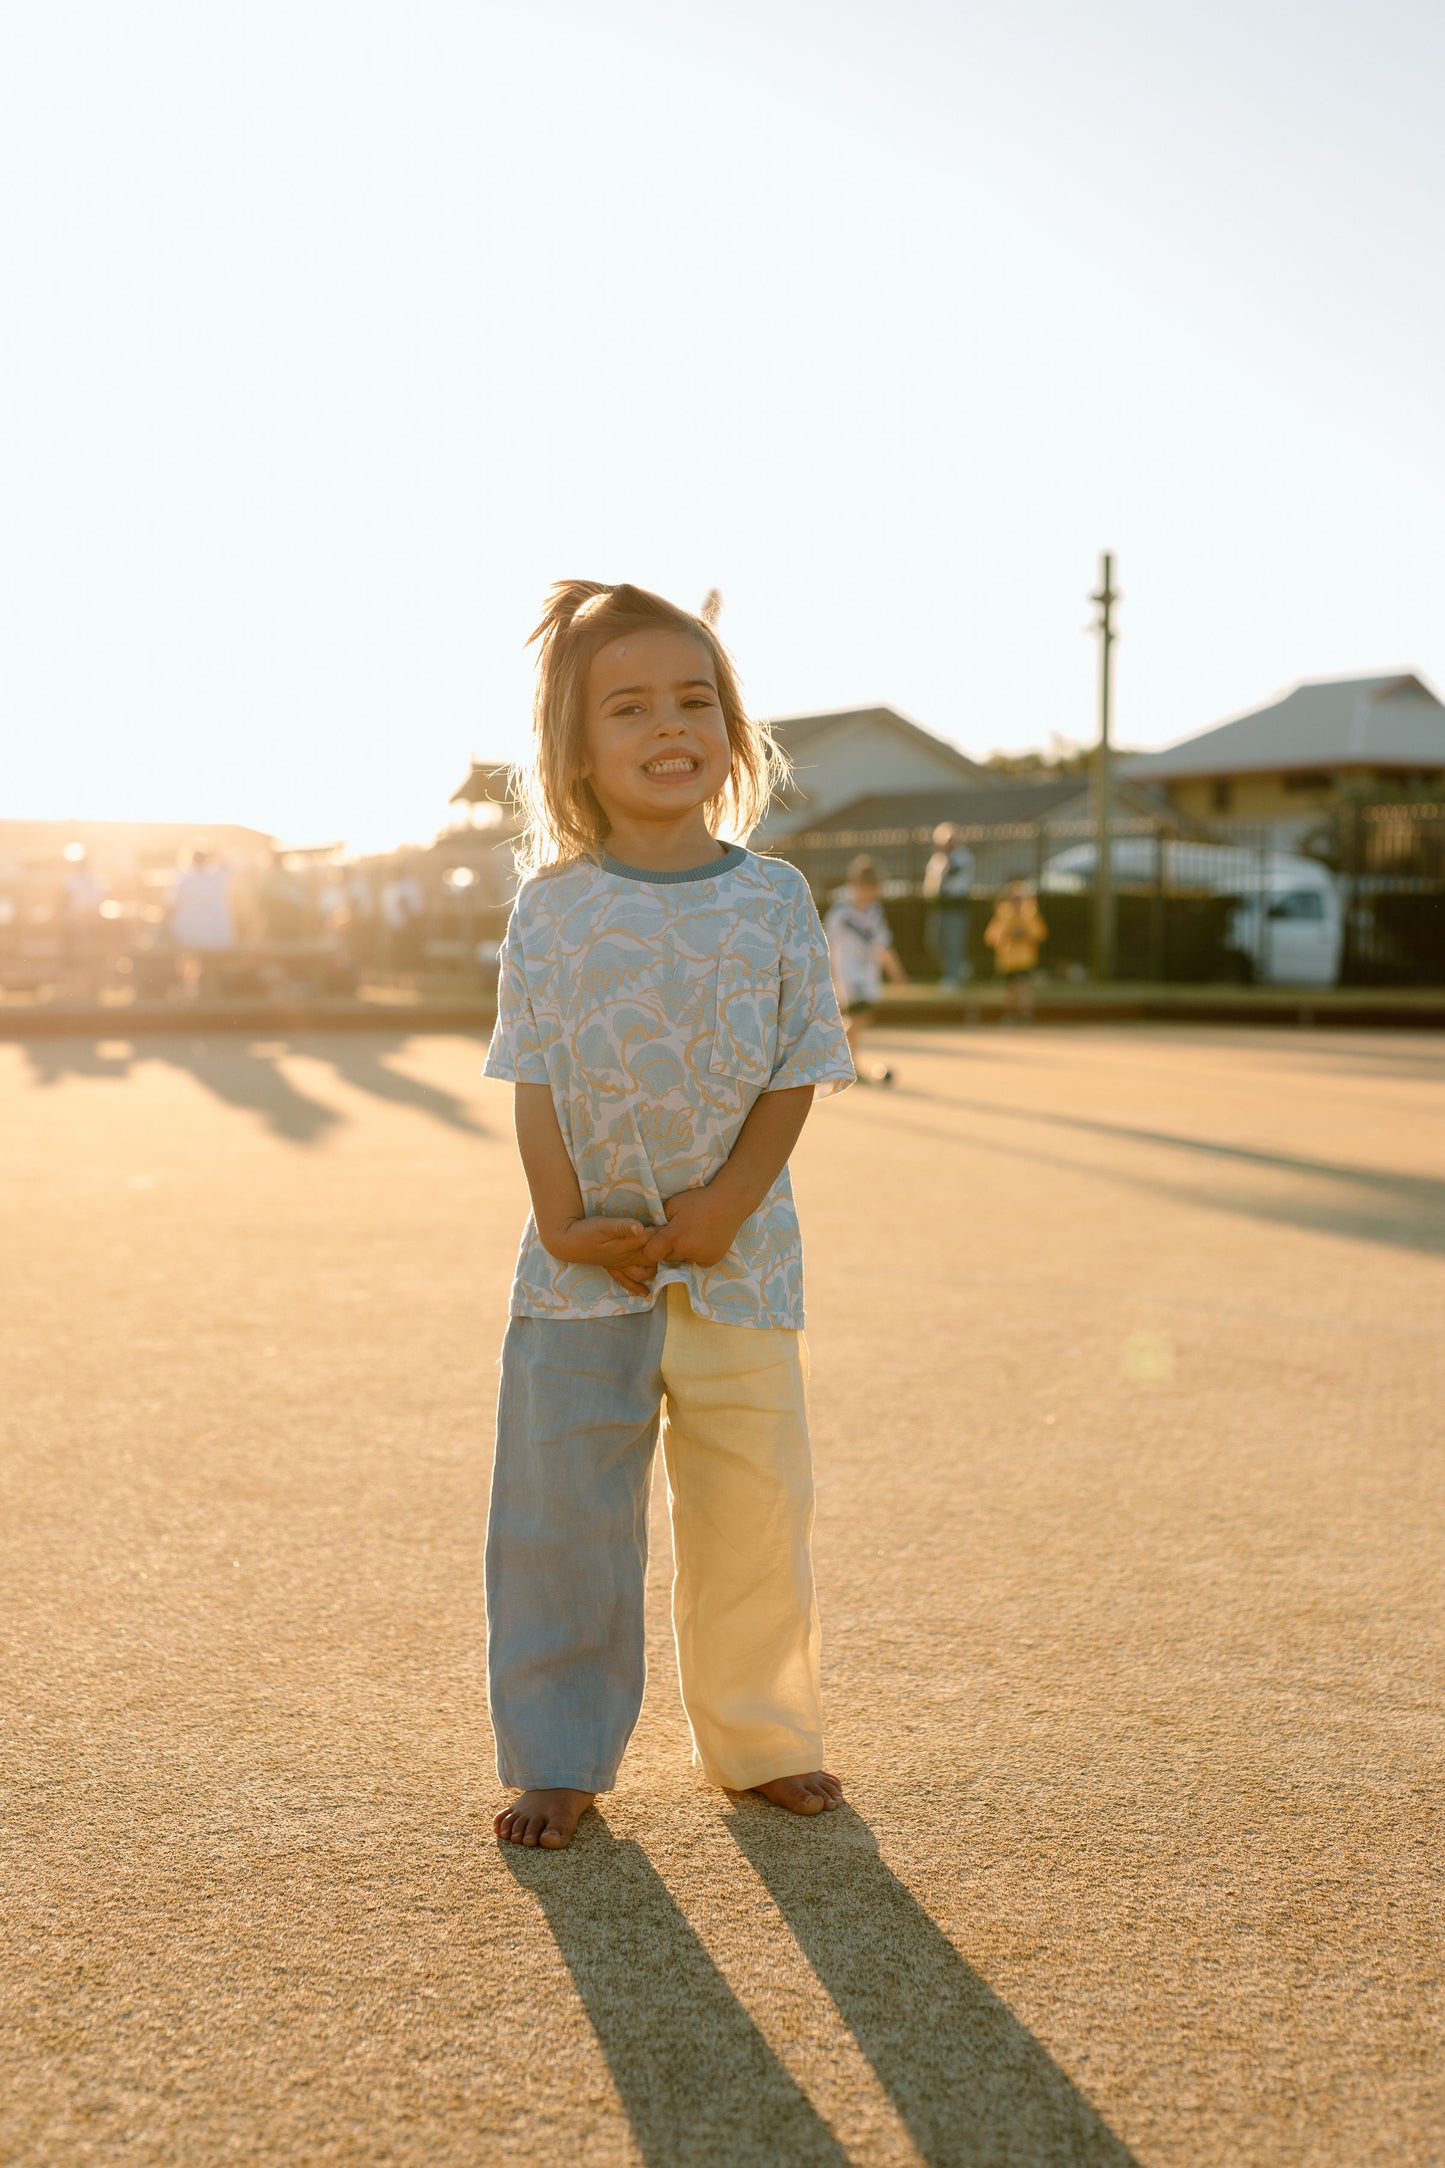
column 812, row 1044
column 515, row 1052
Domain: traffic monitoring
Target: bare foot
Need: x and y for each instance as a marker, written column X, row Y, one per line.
column 548, row 1818
column 815, row 1793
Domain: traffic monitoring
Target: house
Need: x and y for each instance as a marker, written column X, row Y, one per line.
column 1293, row 759
column 848, row 754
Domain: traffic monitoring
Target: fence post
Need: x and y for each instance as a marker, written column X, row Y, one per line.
column 1157, row 945
column 1263, row 937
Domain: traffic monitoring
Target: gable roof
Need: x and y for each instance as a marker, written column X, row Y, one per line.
column 1374, row 722
column 804, row 737
column 997, row 805
column 488, row 782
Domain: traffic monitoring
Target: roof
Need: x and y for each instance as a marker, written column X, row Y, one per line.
column 996, row 805
column 800, row 735
column 1369, row 722
column 488, row 780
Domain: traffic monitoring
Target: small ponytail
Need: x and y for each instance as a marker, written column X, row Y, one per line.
column 564, row 599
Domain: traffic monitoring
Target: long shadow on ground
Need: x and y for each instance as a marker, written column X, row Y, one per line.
column 245, row 1074
column 700, row 2085
column 973, row 2086
column 1370, row 1204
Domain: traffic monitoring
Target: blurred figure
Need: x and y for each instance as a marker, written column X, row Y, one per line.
column 860, row 950
column 403, row 904
column 1014, row 934
column 283, row 899
column 361, row 929
column 948, row 886
column 81, row 928
column 202, row 920
column 331, row 901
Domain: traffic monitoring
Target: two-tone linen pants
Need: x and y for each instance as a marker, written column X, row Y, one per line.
column 578, row 1416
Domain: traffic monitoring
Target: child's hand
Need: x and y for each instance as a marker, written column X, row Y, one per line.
column 701, row 1229
column 617, row 1245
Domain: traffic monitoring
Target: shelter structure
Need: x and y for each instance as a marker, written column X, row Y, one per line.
column 486, row 793
column 1295, row 758
column 843, row 755
column 482, row 843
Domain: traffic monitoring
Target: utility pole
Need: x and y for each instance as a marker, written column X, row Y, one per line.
column 1102, row 791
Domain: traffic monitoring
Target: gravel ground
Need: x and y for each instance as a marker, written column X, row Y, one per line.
column 1127, row 1391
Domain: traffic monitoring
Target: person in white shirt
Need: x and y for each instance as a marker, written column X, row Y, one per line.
column 203, row 920
column 860, row 951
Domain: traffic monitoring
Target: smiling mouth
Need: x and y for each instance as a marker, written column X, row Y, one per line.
column 672, row 764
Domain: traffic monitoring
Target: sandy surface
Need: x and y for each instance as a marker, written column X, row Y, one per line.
column 1128, row 1401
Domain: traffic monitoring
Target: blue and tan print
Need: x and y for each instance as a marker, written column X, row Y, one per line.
column 657, row 1011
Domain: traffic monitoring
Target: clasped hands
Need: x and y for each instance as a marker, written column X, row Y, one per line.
column 701, row 1228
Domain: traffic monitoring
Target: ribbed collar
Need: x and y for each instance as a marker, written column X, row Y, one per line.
column 733, row 855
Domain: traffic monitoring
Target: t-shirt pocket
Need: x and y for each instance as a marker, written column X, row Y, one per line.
column 745, row 1044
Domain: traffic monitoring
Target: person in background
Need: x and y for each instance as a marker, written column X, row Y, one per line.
column 81, row 925
column 202, row 919
column 361, row 920
column 1014, row 934
column 288, row 915
column 403, row 905
column 948, row 886
column 860, row 950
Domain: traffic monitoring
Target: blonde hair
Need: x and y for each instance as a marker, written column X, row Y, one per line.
column 562, row 818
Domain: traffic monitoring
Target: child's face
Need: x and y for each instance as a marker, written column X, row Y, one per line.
column 656, row 742
column 863, row 893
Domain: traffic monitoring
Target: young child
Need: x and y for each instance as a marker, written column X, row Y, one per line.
column 860, row 950
column 665, row 1013
column 1014, row 934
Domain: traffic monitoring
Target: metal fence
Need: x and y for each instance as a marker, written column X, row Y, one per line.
column 1356, row 897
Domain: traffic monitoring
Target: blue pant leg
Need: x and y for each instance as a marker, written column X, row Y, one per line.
column 577, row 1423
column 952, row 943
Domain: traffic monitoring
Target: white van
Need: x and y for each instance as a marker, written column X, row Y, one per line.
column 1290, row 921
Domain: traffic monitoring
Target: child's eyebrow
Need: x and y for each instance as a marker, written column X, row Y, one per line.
column 680, row 685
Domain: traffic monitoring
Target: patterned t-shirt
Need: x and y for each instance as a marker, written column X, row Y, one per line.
column 658, row 1007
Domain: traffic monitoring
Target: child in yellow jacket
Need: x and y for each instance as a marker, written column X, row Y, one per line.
column 1014, row 934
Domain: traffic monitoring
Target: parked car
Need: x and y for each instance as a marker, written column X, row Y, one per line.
column 1289, row 927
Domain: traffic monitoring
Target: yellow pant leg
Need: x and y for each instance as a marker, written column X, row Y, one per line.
column 740, row 1487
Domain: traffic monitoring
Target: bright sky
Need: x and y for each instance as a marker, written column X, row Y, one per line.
column 339, row 328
